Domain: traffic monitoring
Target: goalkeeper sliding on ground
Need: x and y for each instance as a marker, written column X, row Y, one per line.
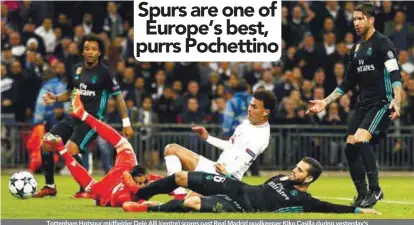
column 279, row 194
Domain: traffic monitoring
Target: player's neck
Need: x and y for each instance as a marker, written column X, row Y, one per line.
column 260, row 123
column 369, row 33
column 89, row 66
column 303, row 188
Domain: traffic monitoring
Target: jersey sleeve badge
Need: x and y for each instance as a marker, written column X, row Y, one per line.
column 78, row 70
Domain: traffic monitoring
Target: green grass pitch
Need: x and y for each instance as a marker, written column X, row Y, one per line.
column 398, row 202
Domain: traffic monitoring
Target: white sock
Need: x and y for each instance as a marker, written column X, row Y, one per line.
column 51, row 185
column 173, row 164
column 85, row 114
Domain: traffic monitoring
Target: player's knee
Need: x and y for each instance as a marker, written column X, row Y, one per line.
column 124, row 145
column 357, row 139
column 181, row 178
column 72, row 148
column 170, row 149
column 193, row 203
column 350, row 140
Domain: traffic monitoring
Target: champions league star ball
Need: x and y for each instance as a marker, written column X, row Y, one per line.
column 22, row 185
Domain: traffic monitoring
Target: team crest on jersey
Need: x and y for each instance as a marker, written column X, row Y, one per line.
column 293, row 192
column 94, row 78
column 78, row 70
column 369, row 52
column 390, row 54
column 76, row 77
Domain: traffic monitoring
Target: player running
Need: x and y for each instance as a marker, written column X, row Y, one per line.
column 373, row 66
column 109, row 191
column 96, row 85
column 278, row 194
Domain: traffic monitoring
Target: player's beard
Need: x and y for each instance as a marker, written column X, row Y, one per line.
column 297, row 182
column 365, row 31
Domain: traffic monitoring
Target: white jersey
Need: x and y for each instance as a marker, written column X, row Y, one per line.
column 246, row 144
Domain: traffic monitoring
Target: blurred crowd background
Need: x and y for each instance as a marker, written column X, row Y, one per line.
column 39, row 43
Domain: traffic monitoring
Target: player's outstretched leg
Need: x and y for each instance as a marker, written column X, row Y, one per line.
column 174, row 155
column 170, row 206
column 161, row 186
column 78, row 172
column 106, row 132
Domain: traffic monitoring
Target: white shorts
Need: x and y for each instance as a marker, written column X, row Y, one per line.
column 206, row 165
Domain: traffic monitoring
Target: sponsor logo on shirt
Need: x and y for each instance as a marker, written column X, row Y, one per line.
column 84, row 90
column 279, row 189
column 364, row 68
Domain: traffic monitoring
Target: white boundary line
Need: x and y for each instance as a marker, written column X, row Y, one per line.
column 385, row 201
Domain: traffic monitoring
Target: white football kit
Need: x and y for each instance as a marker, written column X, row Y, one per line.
column 239, row 152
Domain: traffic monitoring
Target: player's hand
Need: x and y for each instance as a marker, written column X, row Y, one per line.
column 369, row 211
column 49, row 98
column 396, row 107
column 317, row 106
column 201, row 131
column 127, row 132
column 221, row 169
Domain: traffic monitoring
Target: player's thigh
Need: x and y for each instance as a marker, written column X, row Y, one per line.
column 126, row 159
column 206, row 165
column 188, row 158
column 82, row 136
column 212, row 184
column 355, row 122
column 63, row 129
column 219, row 203
column 376, row 121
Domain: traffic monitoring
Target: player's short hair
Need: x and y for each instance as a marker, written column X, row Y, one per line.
column 138, row 171
column 367, row 8
column 93, row 38
column 316, row 168
column 268, row 98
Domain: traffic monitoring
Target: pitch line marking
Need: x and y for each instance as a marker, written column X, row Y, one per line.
column 386, row 201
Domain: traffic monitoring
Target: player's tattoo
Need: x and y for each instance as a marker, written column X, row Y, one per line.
column 332, row 97
column 397, row 95
column 122, row 108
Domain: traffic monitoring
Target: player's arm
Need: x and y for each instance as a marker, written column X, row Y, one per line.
column 122, row 109
column 388, row 55
column 112, row 87
column 348, row 82
column 63, row 97
column 49, row 98
column 216, row 142
column 316, row 205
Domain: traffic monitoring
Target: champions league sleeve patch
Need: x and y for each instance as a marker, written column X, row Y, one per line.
column 250, row 152
column 78, row 70
column 390, row 54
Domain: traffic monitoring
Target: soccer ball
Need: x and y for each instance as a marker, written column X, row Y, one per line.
column 22, row 185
